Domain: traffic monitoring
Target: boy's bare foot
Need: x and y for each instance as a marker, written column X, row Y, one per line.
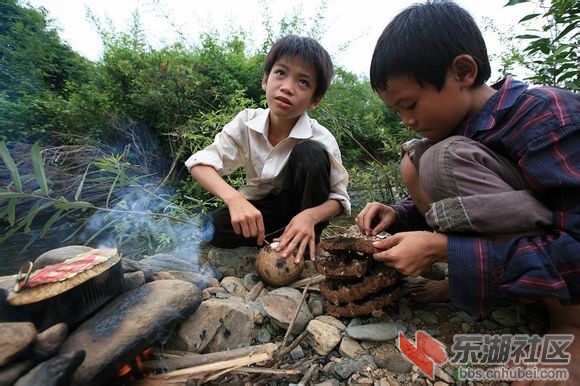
column 429, row 291
column 563, row 320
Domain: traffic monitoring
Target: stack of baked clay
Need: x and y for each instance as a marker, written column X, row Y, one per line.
column 356, row 284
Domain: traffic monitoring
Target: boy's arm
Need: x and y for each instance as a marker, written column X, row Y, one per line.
column 299, row 233
column 246, row 219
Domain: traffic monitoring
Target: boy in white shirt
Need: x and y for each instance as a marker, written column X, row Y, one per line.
column 295, row 180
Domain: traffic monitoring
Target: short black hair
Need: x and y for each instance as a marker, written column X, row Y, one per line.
column 308, row 50
column 422, row 41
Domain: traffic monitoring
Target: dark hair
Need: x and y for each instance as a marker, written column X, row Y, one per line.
column 422, row 42
column 308, row 50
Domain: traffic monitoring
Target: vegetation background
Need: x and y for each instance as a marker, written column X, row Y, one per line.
column 93, row 151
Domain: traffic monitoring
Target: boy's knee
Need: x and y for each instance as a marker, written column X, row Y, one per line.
column 443, row 162
column 310, row 153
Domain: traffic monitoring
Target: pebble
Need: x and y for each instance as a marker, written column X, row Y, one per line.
column 376, row 332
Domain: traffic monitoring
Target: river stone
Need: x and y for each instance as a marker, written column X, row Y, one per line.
column 376, row 332
column 505, row 317
column 58, row 255
column 15, row 338
column 323, row 337
column 53, row 372
column 217, row 325
column 332, row 321
column 49, row 341
column 129, row 324
column 281, row 304
column 233, row 262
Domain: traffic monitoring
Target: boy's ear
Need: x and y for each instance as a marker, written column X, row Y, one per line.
column 264, row 81
column 315, row 102
column 465, row 69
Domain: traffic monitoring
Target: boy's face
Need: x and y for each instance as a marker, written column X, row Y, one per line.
column 430, row 113
column 290, row 88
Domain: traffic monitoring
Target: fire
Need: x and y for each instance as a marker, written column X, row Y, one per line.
column 134, row 370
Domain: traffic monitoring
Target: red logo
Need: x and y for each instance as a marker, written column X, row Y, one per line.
column 427, row 352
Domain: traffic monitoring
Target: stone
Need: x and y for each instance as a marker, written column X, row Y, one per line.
column 49, row 341
column 426, row 316
column 376, row 332
column 250, row 280
column 15, row 337
column 233, row 262
column 53, row 372
column 397, row 364
column 12, row 371
column 129, row 324
column 505, row 317
column 217, row 325
column 323, row 337
column 332, row 321
column 132, row 280
column 281, row 304
column 234, row 286
column 349, row 347
column 58, row 255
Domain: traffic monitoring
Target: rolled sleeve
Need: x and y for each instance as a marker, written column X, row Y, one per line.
column 344, row 201
column 204, row 157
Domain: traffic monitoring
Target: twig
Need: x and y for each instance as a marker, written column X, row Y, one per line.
column 288, row 331
column 255, row 291
column 310, row 373
column 198, row 360
column 262, row 370
column 282, row 353
column 313, row 280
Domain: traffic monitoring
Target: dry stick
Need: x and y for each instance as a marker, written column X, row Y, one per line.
column 158, row 382
column 201, row 370
column 282, row 351
column 304, row 292
column 261, row 370
column 313, row 280
column 255, row 291
column 310, row 373
column 222, row 358
column 279, row 354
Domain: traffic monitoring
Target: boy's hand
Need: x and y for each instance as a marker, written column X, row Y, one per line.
column 298, row 235
column 412, row 252
column 246, row 219
column 375, row 211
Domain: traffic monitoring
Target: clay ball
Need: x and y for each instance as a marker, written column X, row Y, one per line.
column 275, row 270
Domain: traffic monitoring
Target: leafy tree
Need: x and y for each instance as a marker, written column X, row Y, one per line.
column 34, row 63
column 357, row 118
column 552, row 51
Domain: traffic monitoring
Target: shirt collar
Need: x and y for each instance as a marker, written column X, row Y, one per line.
column 301, row 130
column 508, row 92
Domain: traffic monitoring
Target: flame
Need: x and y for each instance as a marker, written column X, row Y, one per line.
column 134, row 370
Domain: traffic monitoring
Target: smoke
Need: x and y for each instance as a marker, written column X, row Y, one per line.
column 138, row 217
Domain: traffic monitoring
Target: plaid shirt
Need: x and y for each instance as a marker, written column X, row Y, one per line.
column 539, row 129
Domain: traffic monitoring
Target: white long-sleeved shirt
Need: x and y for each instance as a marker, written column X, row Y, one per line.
column 243, row 142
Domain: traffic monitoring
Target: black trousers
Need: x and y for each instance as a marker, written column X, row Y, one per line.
column 305, row 184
